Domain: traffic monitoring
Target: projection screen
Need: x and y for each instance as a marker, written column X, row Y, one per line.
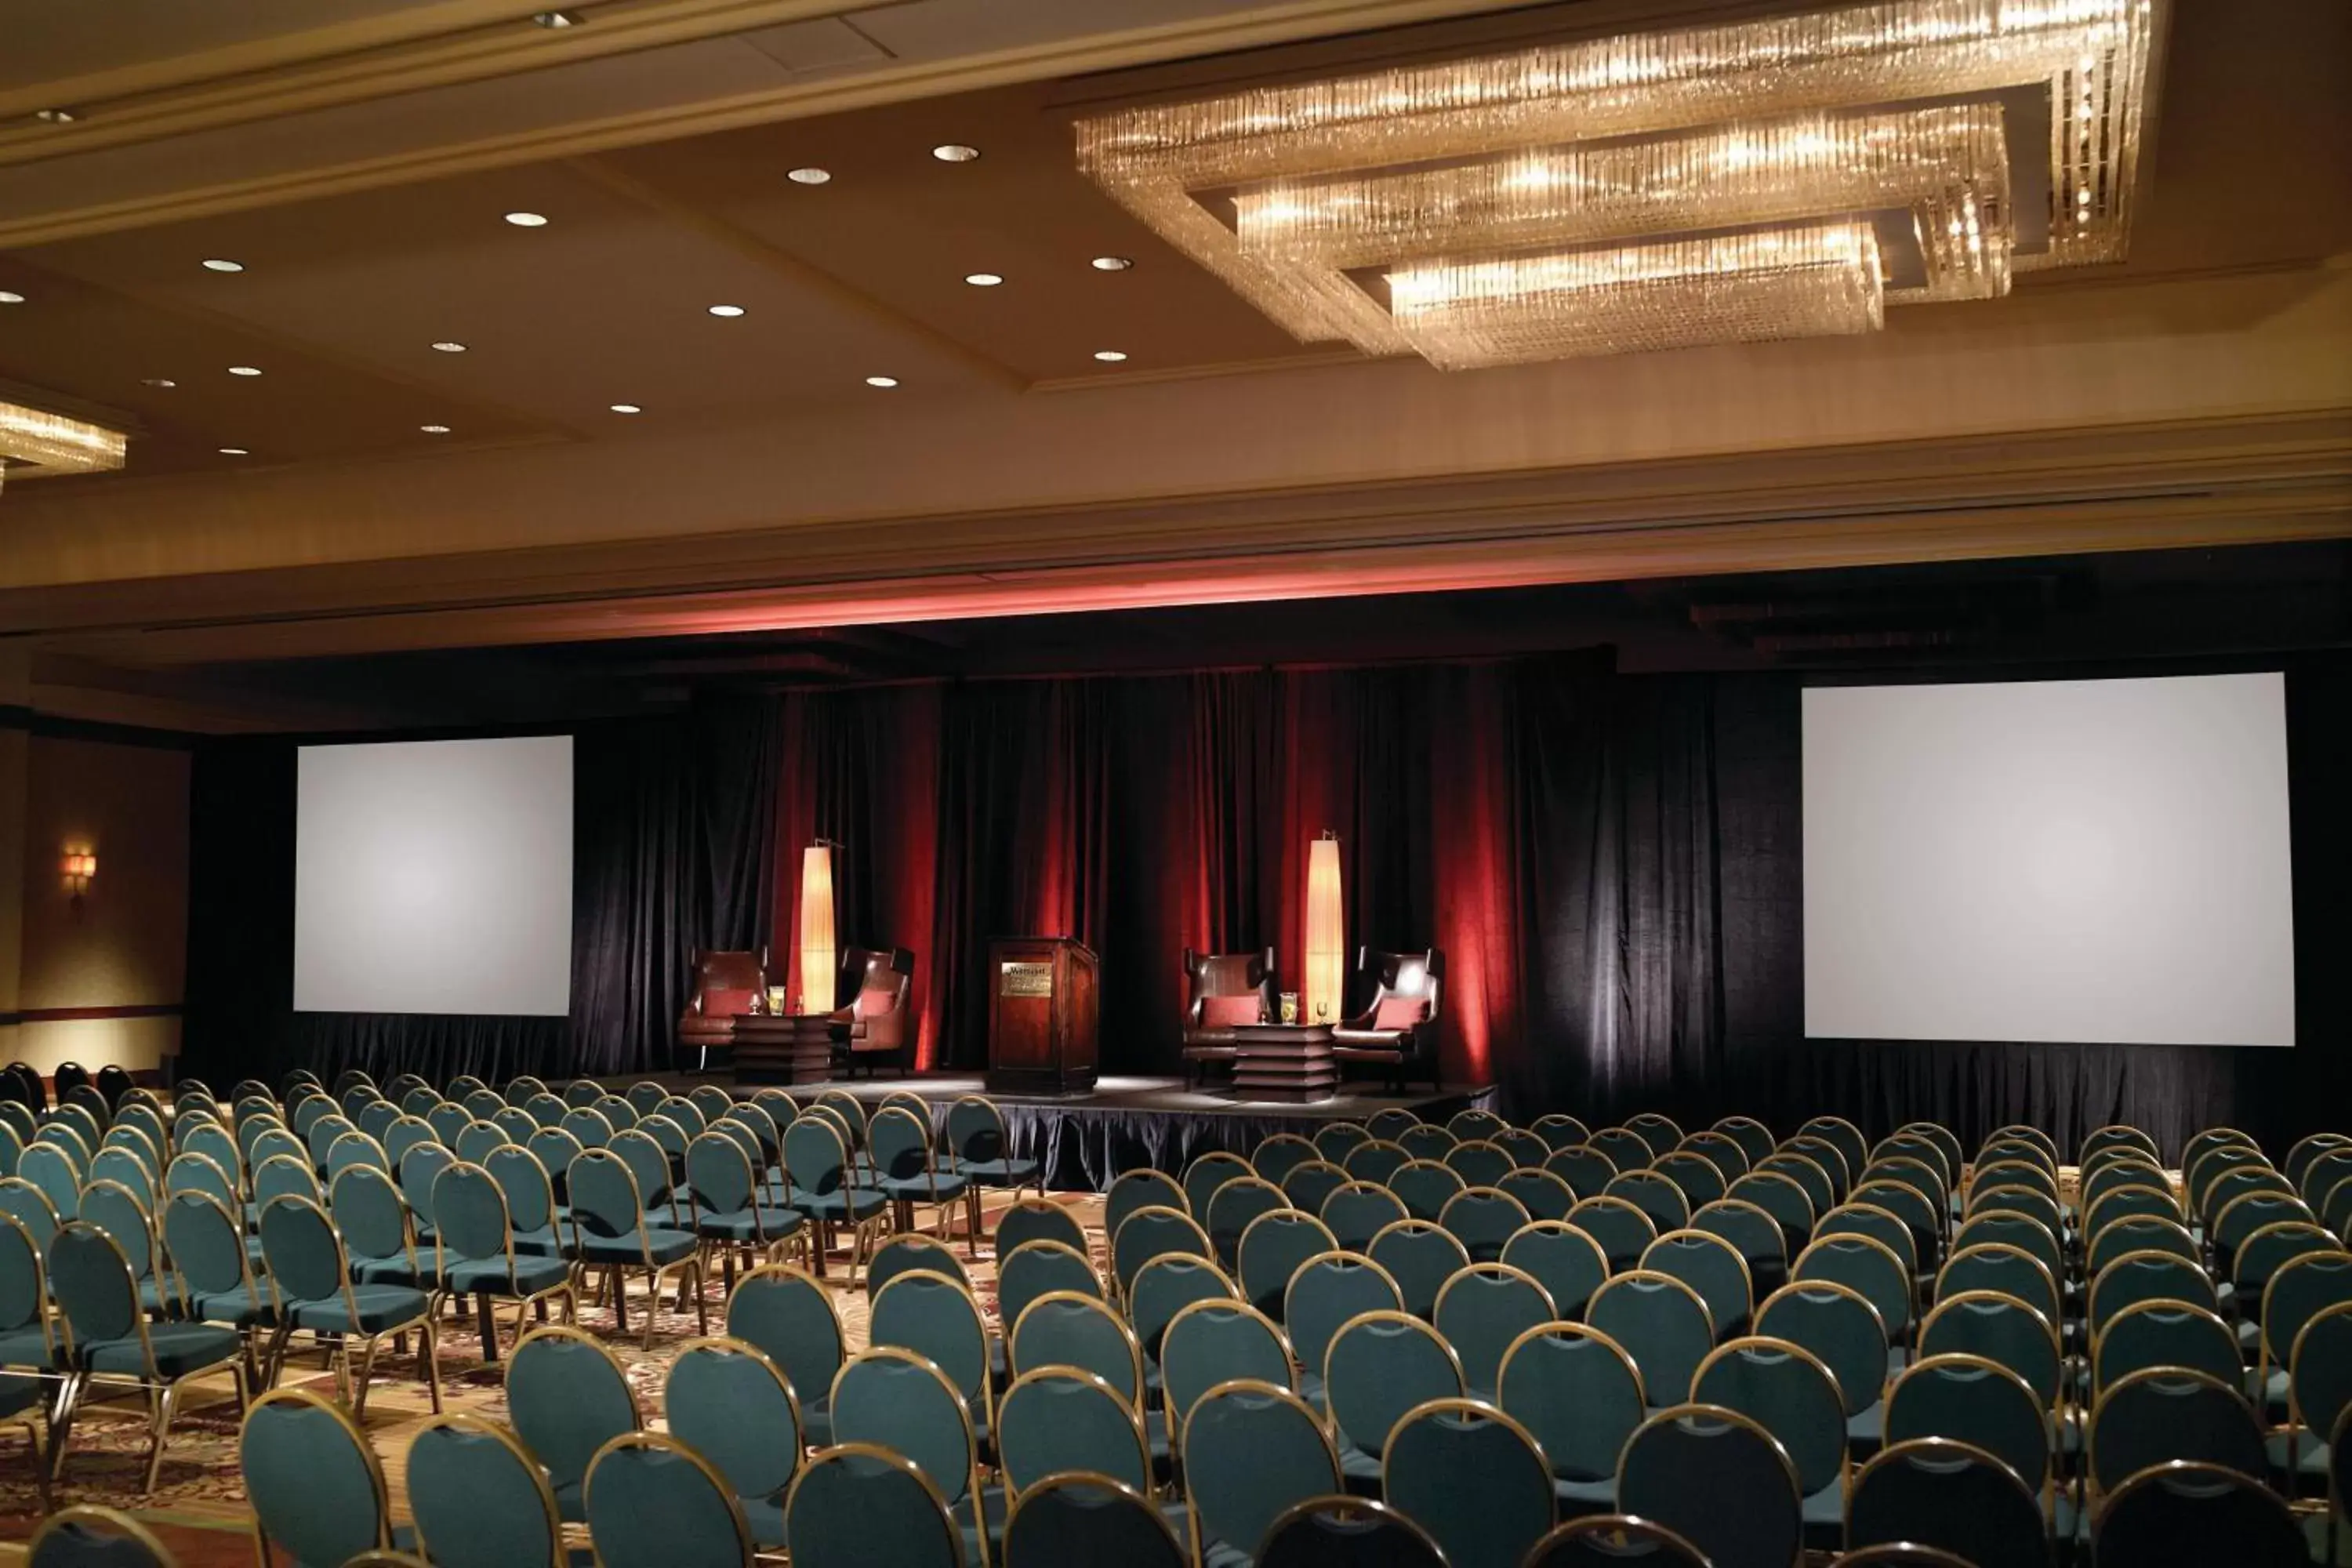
column 433, row 877
column 2088, row 861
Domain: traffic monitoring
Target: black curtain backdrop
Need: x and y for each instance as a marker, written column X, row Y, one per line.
column 1611, row 863
column 673, row 849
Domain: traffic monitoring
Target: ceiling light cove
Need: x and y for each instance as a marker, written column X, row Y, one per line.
column 528, row 220
column 626, row 409
column 558, row 19
column 1109, row 356
column 163, row 382
column 885, row 381
column 244, row 370
column 1111, row 263
column 434, row 429
column 222, row 264
column 810, row 176
column 728, row 313
column 984, row 280
column 10, row 296
column 236, row 452
column 450, row 346
column 1784, row 176
column 955, row 152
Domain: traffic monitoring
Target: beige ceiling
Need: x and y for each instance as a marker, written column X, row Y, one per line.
column 364, row 243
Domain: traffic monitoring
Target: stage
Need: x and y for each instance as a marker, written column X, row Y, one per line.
column 1086, row 1140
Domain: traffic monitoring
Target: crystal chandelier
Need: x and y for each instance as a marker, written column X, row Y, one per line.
column 51, row 443
column 1783, row 177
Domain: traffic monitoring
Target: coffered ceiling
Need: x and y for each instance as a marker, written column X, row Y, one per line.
column 356, row 162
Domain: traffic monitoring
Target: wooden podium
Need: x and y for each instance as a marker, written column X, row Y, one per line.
column 1043, row 1004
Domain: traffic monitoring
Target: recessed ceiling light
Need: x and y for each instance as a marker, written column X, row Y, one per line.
column 448, row 347
column 527, row 220
column 10, row 296
column 982, row 280
column 222, row 264
column 434, row 429
column 882, row 381
column 955, row 152
column 1111, row 263
column 626, row 409
column 57, row 116
column 808, row 176
column 557, row 18
column 243, row 370
column 235, row 452
column 727, row 309
column 166, row 382
column 1108, row 357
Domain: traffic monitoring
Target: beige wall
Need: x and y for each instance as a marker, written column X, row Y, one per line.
column 121, row 944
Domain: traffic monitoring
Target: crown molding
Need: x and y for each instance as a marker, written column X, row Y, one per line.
column 2174, row 484
column 328, row 68
column 1243, row 29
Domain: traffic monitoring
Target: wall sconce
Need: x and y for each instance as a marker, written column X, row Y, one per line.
column 1326, row 939
column 79, row 867
column 817, row 934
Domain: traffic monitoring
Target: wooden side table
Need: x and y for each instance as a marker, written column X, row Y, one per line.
column 1287, row 1062
column 783, row 1047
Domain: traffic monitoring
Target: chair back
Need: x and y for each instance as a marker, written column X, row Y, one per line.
column 1972, row 1400
column 1234, row 1205
column 1838, row 1324
column 1271, row 1249
column 1217, row 1341
column 1745, row 1516
column 1250, row 1450
column 1036, row 1268
column 1421, row 1256
column 2185, row 1513
column 1164, row 1287
column 1375, row 1162
column 896, row 1399
column 788, row 1316
column 1623, row 1230
column 1358, row 1212
column 734, row 1406
column 1042, row 1219
column 1473, row 1477
column 652, row 1502
column 1544, row 1195
column 366, row 1206
column 1081, row 1516
column 1712, row 1266
column 477, row 1500
column 858, row 1504
column 2163, row 1333
column 1938, row 1492
column 1153, row 1232
column 1661, row 1323
column 312, row 1480
column 1424, row 1187
column 88, row 1536
column 1578, row 1392
column 1140, row 1188
column 1069, row 1328
column 567, row 1397
column 206, row 1242
column 1058, row 1418
column 2002, row 1330
column 1325, row 1293
column 2162, row 1414
column 1788, row 1391
column 1483, row 1219
column 1481, row 1310
column 1379, row 1365
column 933, row 1317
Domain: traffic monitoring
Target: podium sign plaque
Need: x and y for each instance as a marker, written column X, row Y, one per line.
column 1043, row 1004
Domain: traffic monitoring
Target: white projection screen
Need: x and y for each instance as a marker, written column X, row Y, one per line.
column 433, row 877
column 2084, row 861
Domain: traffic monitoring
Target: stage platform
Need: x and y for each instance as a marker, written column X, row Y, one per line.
column 1086, row 1140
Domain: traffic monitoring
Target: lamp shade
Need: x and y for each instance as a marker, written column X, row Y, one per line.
column 816, row 937
column 1327, row 934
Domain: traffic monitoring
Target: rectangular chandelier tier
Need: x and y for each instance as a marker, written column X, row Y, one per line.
column 1811, row 281
column 1308, row 198
column 56, row 443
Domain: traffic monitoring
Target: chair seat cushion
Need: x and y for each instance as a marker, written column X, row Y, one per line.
column 237, row 1308
column 991, row 1513
column 179, row 1349
column 1575, row 1499
column 544, row 1242
column 941, row 1185
column 845, row 1203
column 371, row 1310
column 528, row 1278
column 748, row 1224
column 25, row 1347
column 2310, row 1454
column 1001, row 1170
column 816, row 1422
column 1342, row 1050
column 396, row 1270
column 1381, row 1039
column 766, row 1519
column 662, row 1246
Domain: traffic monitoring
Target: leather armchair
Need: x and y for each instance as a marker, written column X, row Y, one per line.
column 874, row 1030
column 1398, row 1030
column 1207, row 1038
column 726, row 984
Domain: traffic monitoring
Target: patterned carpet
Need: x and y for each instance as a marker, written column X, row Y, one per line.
column 198, row 1506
